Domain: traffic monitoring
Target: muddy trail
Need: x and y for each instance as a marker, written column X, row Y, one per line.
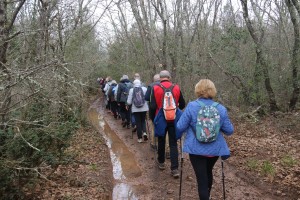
column 136, row 175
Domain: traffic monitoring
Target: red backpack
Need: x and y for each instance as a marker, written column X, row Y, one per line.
column 169, row 103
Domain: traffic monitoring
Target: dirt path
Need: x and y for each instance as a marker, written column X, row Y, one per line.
column 153, row 183
column 92, row 173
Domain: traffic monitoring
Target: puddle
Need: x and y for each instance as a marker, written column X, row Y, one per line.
column 123, row 191
column 124, row 165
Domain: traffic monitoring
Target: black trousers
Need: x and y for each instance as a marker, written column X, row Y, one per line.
column 203, row 167
column 125, row 113
column 140, row 121
column 114, row 107
column 170, row 130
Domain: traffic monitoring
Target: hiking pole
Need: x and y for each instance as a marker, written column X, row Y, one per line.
column 181, row 163
column 223, row 178
column 148, row 130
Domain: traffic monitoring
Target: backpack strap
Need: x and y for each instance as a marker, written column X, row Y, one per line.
column 215, row 104
column 164, row 88
column 201, row 103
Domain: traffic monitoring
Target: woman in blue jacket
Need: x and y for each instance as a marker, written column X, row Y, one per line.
column 203, row 156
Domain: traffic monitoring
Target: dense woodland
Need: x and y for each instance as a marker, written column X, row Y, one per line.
column 52, row 51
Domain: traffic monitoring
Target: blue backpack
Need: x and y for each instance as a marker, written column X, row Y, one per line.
column 113, row 90
column 208, row 123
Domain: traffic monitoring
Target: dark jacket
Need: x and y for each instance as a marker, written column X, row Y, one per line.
column 148, row 96
column 149, row 90
column 123, row 90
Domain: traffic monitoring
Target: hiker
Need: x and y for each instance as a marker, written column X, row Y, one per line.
column 156, row 81
column 139, row 108
column 116, row 96
column 203, row 156
column 105, row 89
column 122, row 94
column 111, row 96
column 137, row 76
column 103, row 85
column 164, row 126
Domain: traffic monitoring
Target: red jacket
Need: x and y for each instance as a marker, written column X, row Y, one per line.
column 158, row 94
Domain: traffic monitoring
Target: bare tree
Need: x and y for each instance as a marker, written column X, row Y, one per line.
column 6, row 35
column 261, row 60
column 294, row 10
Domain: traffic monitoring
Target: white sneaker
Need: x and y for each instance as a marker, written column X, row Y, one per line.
column 145, row 136
column 140, row 140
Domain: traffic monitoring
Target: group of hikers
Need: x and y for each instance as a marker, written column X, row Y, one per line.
column 201, row 122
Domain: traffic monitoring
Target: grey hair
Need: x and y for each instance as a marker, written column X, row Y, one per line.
column 165, row 74
column 156, row 77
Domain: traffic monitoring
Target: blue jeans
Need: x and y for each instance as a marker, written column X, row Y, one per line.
column 170, row 130
column 133, row 123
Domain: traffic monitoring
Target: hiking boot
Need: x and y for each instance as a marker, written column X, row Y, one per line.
column 140, row 140
column 145, row 136
column 123, row 123
column 161, row 166
column 175, row 173
column 167, row 155
column 128, row 126
column 134, row 129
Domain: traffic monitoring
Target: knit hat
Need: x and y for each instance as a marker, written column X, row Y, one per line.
column 114, row 82
column 136, row 83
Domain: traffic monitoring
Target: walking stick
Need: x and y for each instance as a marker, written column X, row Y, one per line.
column 148, row 130
column 181, row 163
column 223, row 178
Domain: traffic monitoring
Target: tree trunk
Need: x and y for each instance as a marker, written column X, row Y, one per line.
column 260, row 58
column 292, row 5
column 6, row 27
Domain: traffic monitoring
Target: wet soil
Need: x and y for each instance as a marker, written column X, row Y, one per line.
column 241, row 182
column 247, row 176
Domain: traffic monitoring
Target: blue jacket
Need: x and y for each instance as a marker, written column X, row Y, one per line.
column 191, row 144
column 160, row 122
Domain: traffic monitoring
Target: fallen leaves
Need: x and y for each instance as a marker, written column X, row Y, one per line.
column 267, row 141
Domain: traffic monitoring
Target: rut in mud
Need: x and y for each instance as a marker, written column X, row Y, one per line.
column 141, row 179
column 118, row 167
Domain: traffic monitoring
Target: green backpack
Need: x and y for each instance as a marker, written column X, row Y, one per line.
column 208, row 123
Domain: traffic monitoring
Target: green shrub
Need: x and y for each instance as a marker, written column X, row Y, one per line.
column 267, row 168
column 288, row 161
column 41, row 140
column 252, row 164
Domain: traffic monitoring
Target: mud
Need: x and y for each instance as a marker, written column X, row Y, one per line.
column 141, row 179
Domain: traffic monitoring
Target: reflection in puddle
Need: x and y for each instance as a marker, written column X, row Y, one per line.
column 123, row 191
column 117, row 167
column 123, row 161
